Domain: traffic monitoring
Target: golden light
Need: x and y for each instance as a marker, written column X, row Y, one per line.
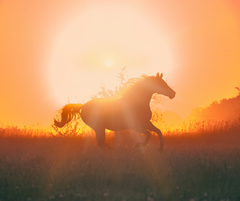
column 109, row 63
column 96, row 37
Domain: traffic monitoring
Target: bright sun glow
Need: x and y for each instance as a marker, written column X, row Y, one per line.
column 82, row 51
column 109, row 63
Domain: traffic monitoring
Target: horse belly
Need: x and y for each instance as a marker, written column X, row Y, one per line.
column 116, row 123
column 114, row 116
column 99, row 114
column 127, row 121
column 97, row 119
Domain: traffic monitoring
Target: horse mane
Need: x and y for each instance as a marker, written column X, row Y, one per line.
column 132, row 83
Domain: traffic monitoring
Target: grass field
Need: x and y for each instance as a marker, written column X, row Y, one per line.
column 192, row 167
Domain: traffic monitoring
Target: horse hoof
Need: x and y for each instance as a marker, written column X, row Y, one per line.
column 139, row 144
column 107, row 146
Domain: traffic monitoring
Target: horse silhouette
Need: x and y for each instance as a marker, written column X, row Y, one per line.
column 131, row 111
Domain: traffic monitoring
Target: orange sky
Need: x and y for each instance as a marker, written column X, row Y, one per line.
column 52, row 52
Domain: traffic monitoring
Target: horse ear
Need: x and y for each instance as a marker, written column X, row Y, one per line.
column 157, row 75
column 161, row 75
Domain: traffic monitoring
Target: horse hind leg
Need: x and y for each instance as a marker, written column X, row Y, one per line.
column 100, row 138
column 144, row 143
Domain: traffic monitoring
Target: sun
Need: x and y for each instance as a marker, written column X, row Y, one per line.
column 109, row 63
column 81, row 62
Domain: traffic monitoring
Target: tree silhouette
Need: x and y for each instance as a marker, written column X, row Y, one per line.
column 224, row 110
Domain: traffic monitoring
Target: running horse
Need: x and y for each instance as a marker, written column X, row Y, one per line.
column 130, row 111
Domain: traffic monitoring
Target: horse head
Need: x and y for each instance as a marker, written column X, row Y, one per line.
column 161, row 87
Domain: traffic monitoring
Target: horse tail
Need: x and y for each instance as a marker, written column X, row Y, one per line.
column 69, row 112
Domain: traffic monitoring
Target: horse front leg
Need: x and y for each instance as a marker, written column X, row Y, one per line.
column 151, row 127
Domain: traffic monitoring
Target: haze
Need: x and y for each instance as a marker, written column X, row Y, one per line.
column 52, row 52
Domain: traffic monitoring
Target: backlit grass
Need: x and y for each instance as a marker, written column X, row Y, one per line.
column 193, row 166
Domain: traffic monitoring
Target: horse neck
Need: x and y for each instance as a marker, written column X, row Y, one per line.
column 140, row 96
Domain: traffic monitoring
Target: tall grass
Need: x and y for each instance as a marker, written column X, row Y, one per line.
column 75, row 168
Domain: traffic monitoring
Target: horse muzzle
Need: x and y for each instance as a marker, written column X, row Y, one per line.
column 172, row 95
